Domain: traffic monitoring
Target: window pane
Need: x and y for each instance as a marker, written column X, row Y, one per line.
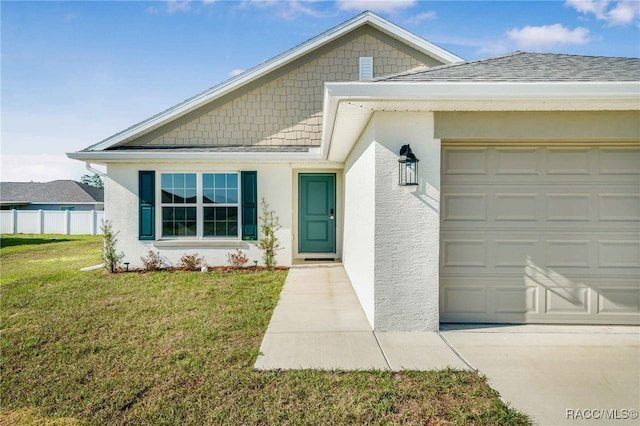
column 232, row 180
column 221, row 213
column 179, row 221
column 220, row 221
column 207, row 196
column 167, row 180
column 232, row 196
column 190, row 194
column 208, row 214
column 220, row 180
column 220, row 196
column 178, row 188
column 178, row 180
column 190, row 181
column 233, row 229
column 221, row 229
column 207, row 180
column 191, row 213
column 179, row 213
column 209, row 229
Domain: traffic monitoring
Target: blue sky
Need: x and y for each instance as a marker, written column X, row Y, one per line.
column 76, row 72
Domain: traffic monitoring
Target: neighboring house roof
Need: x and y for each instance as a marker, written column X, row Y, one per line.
column 366, row 18
column 530, row 67
column 55, row 192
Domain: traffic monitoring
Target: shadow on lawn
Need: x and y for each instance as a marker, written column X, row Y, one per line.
column 22, row 241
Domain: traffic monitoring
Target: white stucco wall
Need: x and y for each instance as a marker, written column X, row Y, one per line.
column 121, row 199
column 359, row 221
column 391, row 243
column 407, row 225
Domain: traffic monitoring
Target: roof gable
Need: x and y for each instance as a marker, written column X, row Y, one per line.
column 253, row 74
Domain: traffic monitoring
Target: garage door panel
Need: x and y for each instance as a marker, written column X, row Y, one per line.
column 516, row 299
column 619, row 206
column 611, row 253
column 619, row 301
column 516, row 161
column 619, row 254
column 619, row 161
column 569, row 161
column 569, row 300
column 465, row 207
column 560, row 243
column 465, row 161
column 570, row 205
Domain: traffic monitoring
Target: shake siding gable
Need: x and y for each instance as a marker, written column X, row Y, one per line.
column 285, row 107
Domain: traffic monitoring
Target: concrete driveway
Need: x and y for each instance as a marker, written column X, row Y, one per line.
column 558, row 374
column 555, row 374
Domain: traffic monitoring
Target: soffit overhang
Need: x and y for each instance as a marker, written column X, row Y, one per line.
column 348, row 107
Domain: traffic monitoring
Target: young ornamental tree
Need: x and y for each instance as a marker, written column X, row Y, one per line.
column 110, row 256
column 270, row 224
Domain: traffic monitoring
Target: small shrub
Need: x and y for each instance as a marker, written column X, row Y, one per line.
column 191, row 262
column 110, row 257
column 152, row 261
column 270, row 224
column 238, row 259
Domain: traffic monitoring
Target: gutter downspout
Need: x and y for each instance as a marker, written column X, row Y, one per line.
column 88, row 166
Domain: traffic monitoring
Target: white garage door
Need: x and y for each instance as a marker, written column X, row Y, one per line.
column 540, row 234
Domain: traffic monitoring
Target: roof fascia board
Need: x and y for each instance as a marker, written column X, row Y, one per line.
column 487, row 97
column 101, row 157
column 272, row 64
column 370, row 91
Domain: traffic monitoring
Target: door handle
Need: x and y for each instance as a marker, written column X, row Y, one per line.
column 331, row 217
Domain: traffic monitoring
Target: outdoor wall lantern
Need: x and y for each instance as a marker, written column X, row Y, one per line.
column 407, row 167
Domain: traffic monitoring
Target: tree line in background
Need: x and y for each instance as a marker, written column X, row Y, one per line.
column 93, row 180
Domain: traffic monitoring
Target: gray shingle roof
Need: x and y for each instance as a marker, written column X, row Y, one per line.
column 530, row 67
column 57, row 191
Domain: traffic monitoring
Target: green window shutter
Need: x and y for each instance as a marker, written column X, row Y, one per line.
column 249, row 196
column 147, row 203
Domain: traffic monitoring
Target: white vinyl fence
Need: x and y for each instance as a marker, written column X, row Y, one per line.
column 50, row 222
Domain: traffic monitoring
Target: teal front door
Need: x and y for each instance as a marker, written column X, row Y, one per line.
column 317, row 213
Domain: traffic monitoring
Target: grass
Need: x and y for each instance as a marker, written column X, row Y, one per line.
column 179, row 348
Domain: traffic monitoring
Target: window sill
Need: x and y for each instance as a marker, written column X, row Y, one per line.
column 203, row 243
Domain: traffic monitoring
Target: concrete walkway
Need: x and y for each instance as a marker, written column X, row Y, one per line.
column 555, row 374
column 319, row 324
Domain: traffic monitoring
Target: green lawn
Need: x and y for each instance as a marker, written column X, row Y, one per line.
column 179, row 348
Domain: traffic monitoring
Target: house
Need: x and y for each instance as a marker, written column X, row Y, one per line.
column 55, row 195
column 526, row 207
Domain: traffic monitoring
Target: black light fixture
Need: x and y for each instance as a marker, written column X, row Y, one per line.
column 407, row 167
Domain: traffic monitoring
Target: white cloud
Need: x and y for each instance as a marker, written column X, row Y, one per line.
column 546, row 36
column 386, row 6
column 174, row 6
column 286, row 9
column 622, row 12
column 40, row 168
column 597, row 7
column 235, row 72
column 424, row 16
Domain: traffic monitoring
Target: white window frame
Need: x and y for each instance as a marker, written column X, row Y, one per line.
column 199, row 205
